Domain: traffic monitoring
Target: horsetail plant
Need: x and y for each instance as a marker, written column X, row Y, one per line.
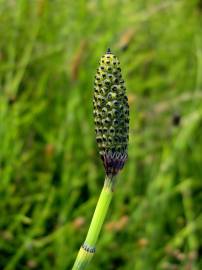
column 111, row 117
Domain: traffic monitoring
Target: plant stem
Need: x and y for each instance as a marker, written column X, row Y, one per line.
column 87, row 250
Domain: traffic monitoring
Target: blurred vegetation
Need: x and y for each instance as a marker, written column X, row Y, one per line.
column 50, row 171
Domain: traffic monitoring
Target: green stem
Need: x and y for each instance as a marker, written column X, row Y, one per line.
column 87, row 250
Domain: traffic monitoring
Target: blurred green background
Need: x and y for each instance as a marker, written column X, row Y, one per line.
column 50, row 171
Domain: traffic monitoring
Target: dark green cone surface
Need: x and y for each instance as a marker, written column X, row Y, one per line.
column 111, row 114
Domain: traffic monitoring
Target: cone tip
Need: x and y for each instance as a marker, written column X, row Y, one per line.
column 108, row 51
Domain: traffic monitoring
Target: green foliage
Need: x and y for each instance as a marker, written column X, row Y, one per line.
column 50, row 171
